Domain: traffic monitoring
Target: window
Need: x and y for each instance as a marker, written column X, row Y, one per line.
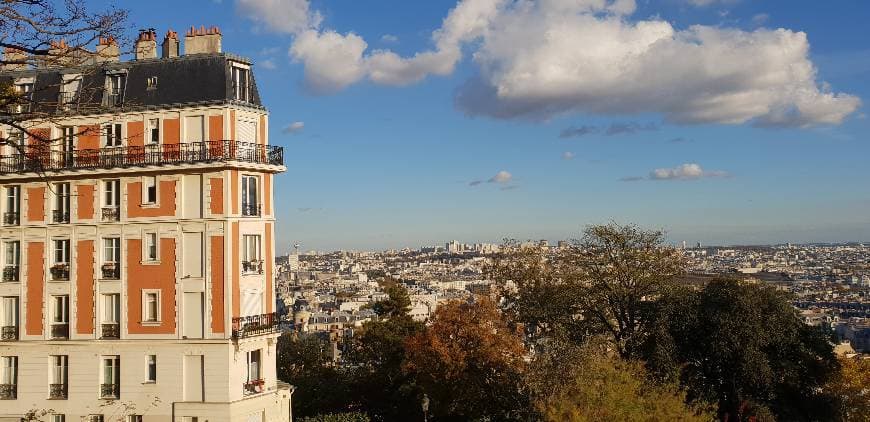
column 134, row 418
column 153, row 131
column 60, row 270
column 150, row 306
column 67, row 144
column 151, row 82
column 254, row 383
column 59, row 373
column 151, row 246
column 25, row 91
column 60, row 309
column 112, row 134
column 251, row 260
column 250, row 204
column 9, row 318
column 117, row 83
column 111, row 377
column 9, row 370
column 11, row 260
column 13, row 206
column 112, row 258
column 111, row 193
column 61, row 210
column 152, row 368
column 150, row 187
column 69, row 90
column 111, row 308
column 241, row 84
column 95, row 418
column 189, row 419
column 58, row 417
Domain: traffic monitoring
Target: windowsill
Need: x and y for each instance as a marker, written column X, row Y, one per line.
column 151, row 323
column 151, row 205
column 149, row 382
column 150, row 262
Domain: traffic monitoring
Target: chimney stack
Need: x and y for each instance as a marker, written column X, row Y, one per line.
column 202, row 41
column 14, row 55
column 170, row 44
column 146, row 45
column 107, row 50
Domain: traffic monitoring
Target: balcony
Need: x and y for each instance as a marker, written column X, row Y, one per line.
column 255, row 325
column 11, row 218
column 111, row 271
column 10, row 273
column 59, row 216
column 42, row 160
column 252, row 267
column 57, row 391
column 254, row 387
column 9, row 333
column 60, row 272
column 111, row 214
column 60, row 331
column 8, row 391
column 110, row 331
column 251, row 210
column 110, row 391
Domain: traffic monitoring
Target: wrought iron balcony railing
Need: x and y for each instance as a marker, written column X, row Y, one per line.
column 8, row 391
column 9, row 333
column 254, row 386
column 111, row 271
column 252, row 267
column 60, row 272
column 110, row 331
column 111, row 214
column 57, row 391
column 11, row 218
column 59, row 216
column 10, row 273
column 255, row 325
column 59, row 331
column 37, row 159
column 110, row 391
column 251, row 210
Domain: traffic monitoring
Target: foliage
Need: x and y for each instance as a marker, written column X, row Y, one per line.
column 596, row 386
column 398, row 303
column 337, row 417
column 303, row 361
column 851, row 386
column 469, row 361
column 743, row 347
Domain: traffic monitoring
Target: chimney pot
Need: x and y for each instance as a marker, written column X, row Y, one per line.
column 203, row 40
column 170, row 44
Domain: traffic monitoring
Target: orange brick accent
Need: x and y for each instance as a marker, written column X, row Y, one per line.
column 235, row 199
column 89, row 137
column 262, row 137
column 85, row 287
column 36, row 204
column 269, row 262
column 235, row 240
column 171, row 131
column 216, row 186
column 166, row 191
column 136, row 134
column 85, row 194
column 38, row 136
column 232, row 125
column 160, row 276
column 215, row 128
column 217, row 284
column 267, row 194
column 35, row 287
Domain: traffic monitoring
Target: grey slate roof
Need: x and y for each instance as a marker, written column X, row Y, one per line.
column 184, row 80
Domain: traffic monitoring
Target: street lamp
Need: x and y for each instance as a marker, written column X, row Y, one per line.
column 425, row 404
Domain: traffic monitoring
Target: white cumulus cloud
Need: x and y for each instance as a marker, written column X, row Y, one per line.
column 294, row 127
column 688, row 171
column 290, row 16
column 501, row 177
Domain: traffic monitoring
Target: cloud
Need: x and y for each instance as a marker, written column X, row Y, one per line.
column 688, row 171
column 293, row 128
column 704, row 3
column 475, row 182
column 268, row 64
column 567, row 155
column 538, row 60
column 572, row 131
column 501, row 177
column 616, row 128
column 389, row 38
column 760, row 19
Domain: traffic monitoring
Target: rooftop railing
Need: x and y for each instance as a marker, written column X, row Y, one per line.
column 255, row 325
column 43, row 160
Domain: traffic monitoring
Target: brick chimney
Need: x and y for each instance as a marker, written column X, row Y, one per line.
column 202, row 41
column 146, row 45
column 107, row 50
column 170, row 44
column 14, row 55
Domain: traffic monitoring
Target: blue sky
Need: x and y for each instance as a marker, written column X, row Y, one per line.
column 396, row 151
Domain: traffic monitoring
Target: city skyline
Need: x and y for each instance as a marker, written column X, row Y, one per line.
column 384, row 151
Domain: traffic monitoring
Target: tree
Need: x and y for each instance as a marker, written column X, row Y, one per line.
column 338, row 417
column 45, row 33
column 398, row 303
column 303, row 361
column 743, row 347
column 470, row 362
column 851, row 387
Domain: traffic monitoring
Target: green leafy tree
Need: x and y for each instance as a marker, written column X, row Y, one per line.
column 398, row 303
column 303, row 361
column 851, row 387
column 743, row 347
column 338, row 417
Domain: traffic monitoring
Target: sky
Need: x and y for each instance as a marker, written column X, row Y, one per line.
column 411, row 123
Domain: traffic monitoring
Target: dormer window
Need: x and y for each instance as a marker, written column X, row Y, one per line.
column 241, row 84
column 69, row 91
column 116, row 84
column 23, row 89
column 151, row 83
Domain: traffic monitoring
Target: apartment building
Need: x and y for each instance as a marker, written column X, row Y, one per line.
column 137, row 249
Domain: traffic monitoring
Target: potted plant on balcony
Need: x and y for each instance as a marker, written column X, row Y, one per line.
column 60, row 271
column 110, row 270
